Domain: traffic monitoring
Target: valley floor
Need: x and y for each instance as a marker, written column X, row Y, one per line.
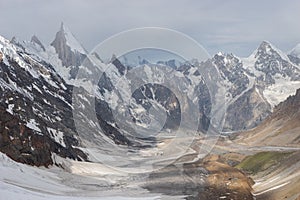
column 212, row 177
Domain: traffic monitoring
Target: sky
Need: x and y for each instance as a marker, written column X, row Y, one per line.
column 232, row 26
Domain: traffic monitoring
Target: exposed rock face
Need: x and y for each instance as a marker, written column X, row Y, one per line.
column 36, row 113
column 1, row 57
column 69, row 55
column 21, row 144
column 171, row 63
column 154, row 96
column 249, row 83
column 247, row 111
column 273, row 62
column 289, row 108
column 121, row 68
column 232, row 70
column 165, row 97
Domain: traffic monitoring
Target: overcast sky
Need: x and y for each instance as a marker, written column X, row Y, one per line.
column 220, row 25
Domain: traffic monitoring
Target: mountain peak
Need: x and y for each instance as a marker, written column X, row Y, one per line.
column 62, row 26
column 35, row 40
column 64, row 35
column 267, row 48
column 266, row 42
column 14, row 40
column 69, row 50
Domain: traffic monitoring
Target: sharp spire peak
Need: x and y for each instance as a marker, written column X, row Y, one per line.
column 62, row 26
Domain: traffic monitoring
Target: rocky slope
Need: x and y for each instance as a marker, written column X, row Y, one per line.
column 36, row 112
column 281, row 128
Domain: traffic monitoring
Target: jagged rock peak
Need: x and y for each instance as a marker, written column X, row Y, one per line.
column 35, row 40
column 62, row 26
column 69, row 50
column 14, row 40
column 266, row 48
column 65, row 36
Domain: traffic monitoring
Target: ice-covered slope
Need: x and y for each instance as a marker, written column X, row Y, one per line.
column 19, row 181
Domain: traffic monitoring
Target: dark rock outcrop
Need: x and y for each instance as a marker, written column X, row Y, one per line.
column 23, row 145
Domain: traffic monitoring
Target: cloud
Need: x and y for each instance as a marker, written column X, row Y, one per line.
column 217, row 25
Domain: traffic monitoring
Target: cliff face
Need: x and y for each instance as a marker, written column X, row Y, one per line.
column 70, row 52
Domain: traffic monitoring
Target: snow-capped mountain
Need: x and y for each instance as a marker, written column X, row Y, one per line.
column 275, row 74
column 38, row 83
column 255, row 84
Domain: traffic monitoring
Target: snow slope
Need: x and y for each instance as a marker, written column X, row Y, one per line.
column 296, row 51
column 72, row 42
column 19, row 182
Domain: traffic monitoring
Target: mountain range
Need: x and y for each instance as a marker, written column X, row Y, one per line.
column 59, row 101
column 37, row 83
